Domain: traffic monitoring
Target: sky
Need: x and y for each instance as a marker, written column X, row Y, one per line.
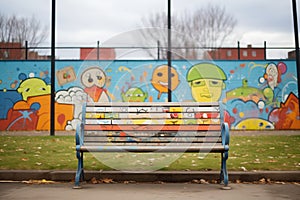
column 83, row 23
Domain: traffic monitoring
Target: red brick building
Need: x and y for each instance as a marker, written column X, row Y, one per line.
column 248, row 53
column 292, row 55
column 10, row 51
column 103, row 53
column 15, row 51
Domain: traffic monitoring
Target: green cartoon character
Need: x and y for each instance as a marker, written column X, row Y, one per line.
column 206, row 81
column 134, row 95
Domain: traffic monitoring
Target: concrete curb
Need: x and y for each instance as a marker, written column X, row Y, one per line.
column 163, row 176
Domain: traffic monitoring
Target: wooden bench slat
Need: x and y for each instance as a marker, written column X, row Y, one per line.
column 151, row 139
column 156, row 149
column 172, row 115
column 150, row 121
column 152, row 104
column 142, row 110
column 201, row 127
column 152, row 133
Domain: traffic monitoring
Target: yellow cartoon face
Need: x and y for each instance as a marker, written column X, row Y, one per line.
column 206, row 81
column 33, row 87
column 207, row 90
column 160, row 79
column 254, row 124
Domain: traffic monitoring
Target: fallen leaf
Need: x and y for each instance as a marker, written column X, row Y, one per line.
column 127, row 182
column 244, row 169
column 203, row 181
column 43, row 181
column 94, row 180
column 238, row 181
column 272, row 161
column 195, row 181
column 106, row 180
column 20, row 149
column 159, row 182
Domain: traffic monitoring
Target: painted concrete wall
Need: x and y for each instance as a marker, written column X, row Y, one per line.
column 256, row 94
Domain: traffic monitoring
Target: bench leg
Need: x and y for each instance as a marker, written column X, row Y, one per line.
column 224, row 173
column 80, row 172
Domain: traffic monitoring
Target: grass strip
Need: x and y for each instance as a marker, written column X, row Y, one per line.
column 58, row 153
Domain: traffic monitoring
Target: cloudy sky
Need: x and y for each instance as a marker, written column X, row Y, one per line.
column 84, row 22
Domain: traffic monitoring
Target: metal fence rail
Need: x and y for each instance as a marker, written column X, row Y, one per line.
column 138, row 52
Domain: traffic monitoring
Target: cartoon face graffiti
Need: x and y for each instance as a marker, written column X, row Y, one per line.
column 206, row 82
column 134, row 95
column 254, row 124
column 33, row 87
column 160, row 79
column 273, row 74
column 94, row 80
column 93, row 77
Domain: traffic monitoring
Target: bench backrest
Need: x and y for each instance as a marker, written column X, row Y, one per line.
column 148, row 124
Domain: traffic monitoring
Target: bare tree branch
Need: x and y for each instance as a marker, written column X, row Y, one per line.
column 17, row 29
column 192, row 32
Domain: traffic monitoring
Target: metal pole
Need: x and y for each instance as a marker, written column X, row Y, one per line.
column 296, row 47
column 265, row 50
column 26, row 50
column 239, row 53
column 169, row 54
column 98, row 44
column 52, row 106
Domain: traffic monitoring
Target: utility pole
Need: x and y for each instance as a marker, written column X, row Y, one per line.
column 52, row 101
column 296, row 47
column 169, row 54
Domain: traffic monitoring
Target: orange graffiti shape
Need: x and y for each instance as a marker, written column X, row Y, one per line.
column 63, row 112
column 288, row 114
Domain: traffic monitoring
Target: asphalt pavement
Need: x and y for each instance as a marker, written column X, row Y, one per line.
column 147, row 191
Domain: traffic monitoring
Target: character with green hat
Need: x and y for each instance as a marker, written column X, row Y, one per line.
column 206, row 81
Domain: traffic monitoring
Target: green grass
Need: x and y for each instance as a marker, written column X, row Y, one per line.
column 58, row 153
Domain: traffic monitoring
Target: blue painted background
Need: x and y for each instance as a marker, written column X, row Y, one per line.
column 251, row 98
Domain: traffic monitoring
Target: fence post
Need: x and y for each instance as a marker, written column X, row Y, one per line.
column 98, row 50
column 26, row 50
column 239, row 53
column 169, row 53
column 52, row 101
column 265, row 50
column 296, row 34
column 158, row 50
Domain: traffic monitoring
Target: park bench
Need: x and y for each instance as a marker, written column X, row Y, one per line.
column 158, row 127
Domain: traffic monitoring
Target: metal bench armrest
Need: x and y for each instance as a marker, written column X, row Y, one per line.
column 79, row 135
column 225, row 134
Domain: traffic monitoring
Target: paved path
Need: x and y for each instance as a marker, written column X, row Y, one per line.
column 146, row 191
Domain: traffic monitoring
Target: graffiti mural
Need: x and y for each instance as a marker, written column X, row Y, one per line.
column 257, row 95
column 206, row 81
column 160, row 79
